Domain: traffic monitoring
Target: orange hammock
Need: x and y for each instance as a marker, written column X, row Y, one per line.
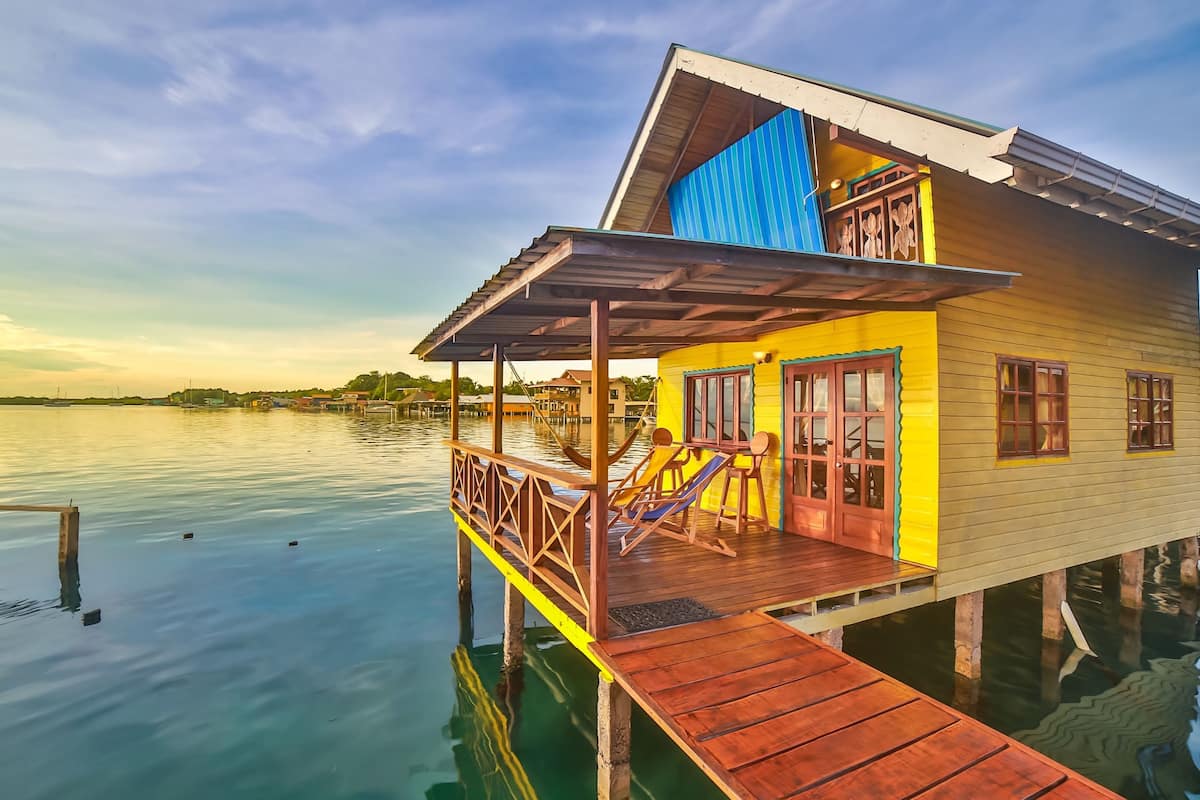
column 570, row 452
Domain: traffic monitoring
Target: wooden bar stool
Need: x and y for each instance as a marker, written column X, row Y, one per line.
column 674, row 469
column 745, row 475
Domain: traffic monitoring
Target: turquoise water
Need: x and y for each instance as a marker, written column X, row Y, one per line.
column 234, row 666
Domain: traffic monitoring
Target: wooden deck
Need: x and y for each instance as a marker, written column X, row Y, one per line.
column 769, row 712
column 772, row 571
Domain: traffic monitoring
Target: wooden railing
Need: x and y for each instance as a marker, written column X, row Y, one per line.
column 536, row 514
column 882, row 222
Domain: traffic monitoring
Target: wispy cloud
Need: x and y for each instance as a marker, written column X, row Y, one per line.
column 216, row 172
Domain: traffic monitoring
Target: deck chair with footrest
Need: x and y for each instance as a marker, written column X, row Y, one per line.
column 667, row 514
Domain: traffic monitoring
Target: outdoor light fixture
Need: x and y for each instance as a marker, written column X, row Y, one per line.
column 836, row 184
column 763, row 356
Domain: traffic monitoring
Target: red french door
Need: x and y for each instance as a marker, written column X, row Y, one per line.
column 839, row 451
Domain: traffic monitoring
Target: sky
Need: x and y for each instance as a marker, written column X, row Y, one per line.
column 285, row 194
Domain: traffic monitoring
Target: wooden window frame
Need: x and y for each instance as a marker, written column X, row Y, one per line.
column 1155, row 423
column 1034, row 395
column 742, row 374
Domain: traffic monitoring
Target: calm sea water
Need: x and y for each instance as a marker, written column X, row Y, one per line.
column 234, row 666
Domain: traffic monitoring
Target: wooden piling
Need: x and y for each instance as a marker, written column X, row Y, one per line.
column 1054, row 592
column 613, row 712
column 832, row 637
column 68, row 535
column 454, row 400
column 968, row 635
column 1189, row 555
column 463, row 545
column 1133, row 565
column 514, row 627
column 597, row 618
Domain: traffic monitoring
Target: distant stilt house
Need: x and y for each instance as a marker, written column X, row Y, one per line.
column 975, row 353
column 572, row 396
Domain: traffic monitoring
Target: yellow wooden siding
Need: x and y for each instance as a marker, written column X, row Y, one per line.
column 914, row 332
column 1103, row 299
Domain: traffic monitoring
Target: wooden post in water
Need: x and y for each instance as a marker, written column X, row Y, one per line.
column 1189, row 555
column 454, row 400
column 1054, row 592
column 968, row 635
column 514, row 628
column 1133, row 565
column 613, row 711
column 68, row 534
column 598, row 569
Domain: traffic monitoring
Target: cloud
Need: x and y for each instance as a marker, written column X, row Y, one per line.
column 47, row 361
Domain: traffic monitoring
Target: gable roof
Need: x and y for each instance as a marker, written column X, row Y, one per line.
column 688, row 119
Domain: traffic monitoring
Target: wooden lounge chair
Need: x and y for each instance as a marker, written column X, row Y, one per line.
column 668, row 514
column 646, row 477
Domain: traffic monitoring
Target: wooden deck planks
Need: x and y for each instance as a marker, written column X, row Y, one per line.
column 769, row 716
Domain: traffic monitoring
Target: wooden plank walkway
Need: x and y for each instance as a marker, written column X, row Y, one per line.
column 769, row 712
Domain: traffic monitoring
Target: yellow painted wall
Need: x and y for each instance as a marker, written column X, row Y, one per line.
column 839, row 161
column 1103, row 299
column 915, row 332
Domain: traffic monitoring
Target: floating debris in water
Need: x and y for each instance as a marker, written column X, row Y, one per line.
column 293, row 543
column 189, row 535
column 91, row 617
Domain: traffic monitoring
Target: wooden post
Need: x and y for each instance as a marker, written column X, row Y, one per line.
column 1133, row 565
column 68, row 534
column 1051, row 663
column 1054, row 592
column 454, row 400
column 598, row 572
column 514, row 628
column 463, row 546
column 498, row 398
column 1130, row 653
column 832, row 637
column 1189, row 555
column 613, row 712
column 968, row 635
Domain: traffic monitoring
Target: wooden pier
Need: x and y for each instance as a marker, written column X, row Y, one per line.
column 769, row 712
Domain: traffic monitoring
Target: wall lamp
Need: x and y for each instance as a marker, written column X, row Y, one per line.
column 763, row 356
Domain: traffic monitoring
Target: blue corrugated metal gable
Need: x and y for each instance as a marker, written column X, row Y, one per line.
column 757, row 191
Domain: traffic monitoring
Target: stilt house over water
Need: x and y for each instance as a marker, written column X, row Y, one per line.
column 976, row 353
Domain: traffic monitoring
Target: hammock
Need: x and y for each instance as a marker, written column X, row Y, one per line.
column 570, row 452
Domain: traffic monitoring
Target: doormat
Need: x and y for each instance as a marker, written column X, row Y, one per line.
column 661, row 614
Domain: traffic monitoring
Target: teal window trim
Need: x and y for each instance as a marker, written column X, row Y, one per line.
column 897, row 375
column 685, row 428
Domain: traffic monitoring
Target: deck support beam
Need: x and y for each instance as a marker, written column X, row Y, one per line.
column 598, row 568
column 1189, row 558
column 968, row 635
column 832, row 637
column 68, row 535
column 613, row 713
column 498, row 398
column 514, row 627
column 454, row 400
column 1133, row 567
column 1054, row 592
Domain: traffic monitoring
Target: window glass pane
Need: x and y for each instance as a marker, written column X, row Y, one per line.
column 820, row 439
column 1137, row 435
column 820, row 392
column 1024, row 439
column 820, row 478
column 727, row 408
column 1165, row 432
column 1025, row 377
column 1058, row 380
column 800, row 435
column 876, row 389
column 1131, row 386
column 1054, row 438
column 1143, row 410
column 745, row 425
column 1043, row 379
column 1008, row 439
column 697, row 409
column 1024, row 408
column 852, row 484
column 1168, row 387
column 853, row 438
column 800, row 393
column 710, row 409
column 876, row 489
column 799, row 477
column 876, row 427
column 1007, row 382
column 1008, row 407
column 852, row 391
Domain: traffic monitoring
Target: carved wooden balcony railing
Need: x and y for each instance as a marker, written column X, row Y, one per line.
column 536, row 514
column 879, row 222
